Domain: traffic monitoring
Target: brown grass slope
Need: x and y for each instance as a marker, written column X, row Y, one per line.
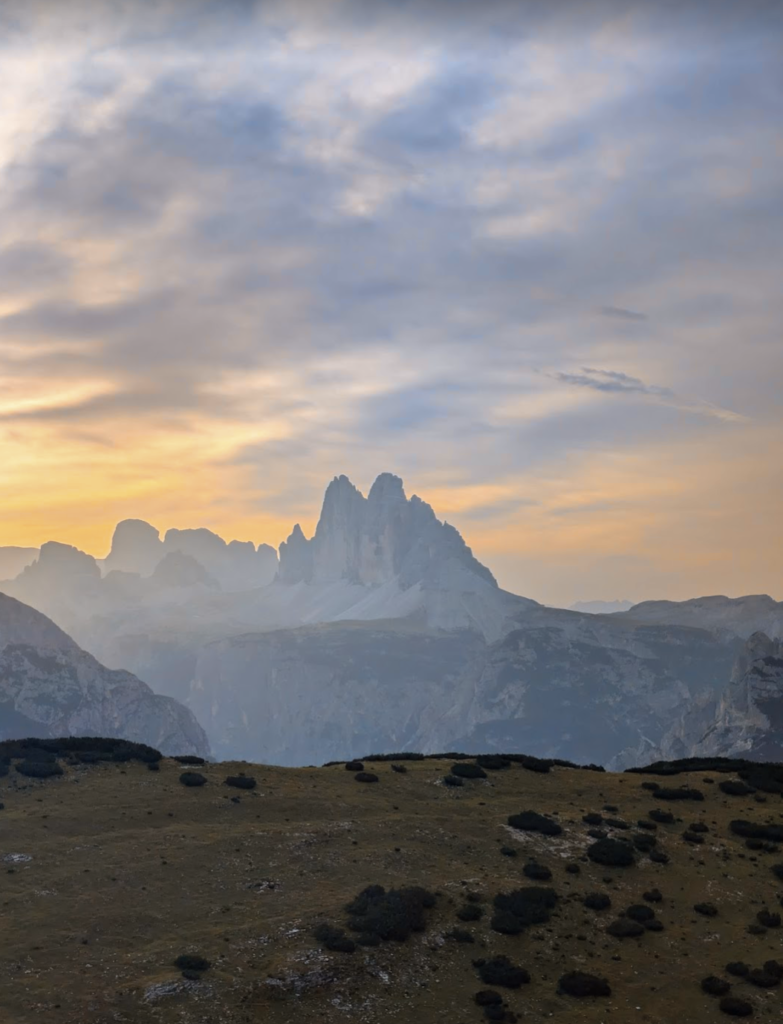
column 128, row 869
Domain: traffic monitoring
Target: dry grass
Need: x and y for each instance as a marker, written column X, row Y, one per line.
column 129, row 869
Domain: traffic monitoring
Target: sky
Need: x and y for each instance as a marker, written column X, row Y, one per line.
column 525, row 255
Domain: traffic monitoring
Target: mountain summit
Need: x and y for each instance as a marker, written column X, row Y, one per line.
column 373, row 540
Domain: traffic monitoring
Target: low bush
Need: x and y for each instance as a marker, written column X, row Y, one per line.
column 470, row 912
column 593, row 818
column 536, row 872
column 649, row 826
column 366, row 777
column 532, row 821
column 192, row 962
column 777, row 871
column 715, row 986
column 597, row 901
column 52, row 748
column 774, row 967
column 755, row 830
column 190, row 759
column 460, row 935
column 391, row 915
column 617, row 823
column 509, row 851
column 468, row 771
column 500, row 971
column 735, row 787
column 639, row 912
column 738, row 969
column 763, row 979
column 611, row 853
column 693, row 837
column 735, row 1007
column 706, row 909
column 493, row 762
column 697, row 826
column 527, row 906
column 334, row 939
column 452, row 780
column 768, row 919
column 681, row 793
column 624, row 928
column 662, row 817
column 653, row 896
column 39, row 769
column 659, row 857
column 240, row 781
column 580, row 984
column 354, row 766
column 153, row 766
column 643, row 842
column 192, row 779
column 400, row 768
column 487, row 998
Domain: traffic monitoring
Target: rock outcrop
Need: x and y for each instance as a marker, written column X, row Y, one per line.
column 13, row 560
column 50, row 687
column 135, row 547
column 741, row 616
column 745, row 719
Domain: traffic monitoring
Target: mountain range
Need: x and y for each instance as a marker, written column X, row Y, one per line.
column 384, row 632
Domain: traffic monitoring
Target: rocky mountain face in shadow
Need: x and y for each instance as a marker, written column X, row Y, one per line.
column 741, row 616
column 49, row 686
column 743, row 719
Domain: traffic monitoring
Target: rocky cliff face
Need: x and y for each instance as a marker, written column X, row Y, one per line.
column 13, row 560
column 50, row 687
column 373, row 540
column 743, row 719
column 559, row 685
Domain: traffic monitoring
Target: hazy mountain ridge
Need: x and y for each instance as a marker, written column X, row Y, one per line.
column 383, row 630
column 50, row 686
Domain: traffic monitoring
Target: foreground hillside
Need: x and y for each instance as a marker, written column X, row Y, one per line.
column 113, row 870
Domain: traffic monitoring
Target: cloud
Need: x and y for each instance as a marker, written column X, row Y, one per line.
column 621, row 314
column 622, row 383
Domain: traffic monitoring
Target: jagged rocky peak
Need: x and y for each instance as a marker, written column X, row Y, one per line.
column 237, row 565
column 135, row 547
column 60, row 562
column 14, row 559
column 176, row 569
column 375, row 539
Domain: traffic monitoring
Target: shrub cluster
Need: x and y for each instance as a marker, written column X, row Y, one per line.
column 578, row 983
column 500, row 971
column 680, row 793
column 754, row 830
column 334, row 939
column 240, row 781
column 39, row 769
column 521, row 908
column 611, row 853
column 114, row 749
column 192, row 779
column 532, row 821
column 468, row 771
column 389, row 915
column 190, row 759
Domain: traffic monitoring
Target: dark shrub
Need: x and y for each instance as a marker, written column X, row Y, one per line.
column 532, row 821
column 693, row 837
column 597, row 901
column 334, row 939
column 756, row 929
column 33, row 749
column 593, row 818
column 468, row 771
column 460, row 935
column 508, row 851
column 768, row 919
column 659, row 857
column 492, row 762
column 153, row 766
column 754, row 830
column 354, row 766
column 400, row 768
column 611, row 853
column 192, row 962
column 706, row 909
column 368, row 940
column 763, row 979
column 487, row 998
column 92, row 756
column 735, row 1007
column 452, row 780
column 653, row 926
column 681, row 793
column 500, row 971
column 404, row 756
column 470, row 912
column 189, row 759
column 650, row 826
column 240, row 781
column 532, row 904
column 733, row 787
column 192, row 779
column 775, row 968
column 496, row 1013
column 653, row 896
column 577, row 983
column 597, row 833
column 573, row 869
column 643, row 842
column 662, row 817
column 39, row 769
column 640, row 912
column 777, row 871
column 389, row 915
column 698, row 826
column 651, row 786
column 536, row 872
column 616, row 823
column 366, row 777
column 506, row 923
column 624, row 928
column 738, row 969
column 715, row 986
